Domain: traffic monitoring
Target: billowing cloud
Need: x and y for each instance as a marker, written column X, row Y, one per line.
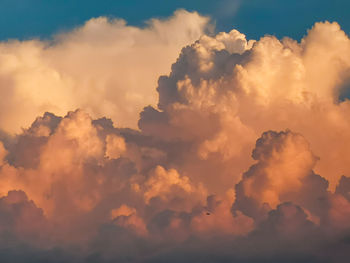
column 244, row 159
column 236, row 89
column 105, row 66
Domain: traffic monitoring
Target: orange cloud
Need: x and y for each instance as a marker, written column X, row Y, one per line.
column 184, row 183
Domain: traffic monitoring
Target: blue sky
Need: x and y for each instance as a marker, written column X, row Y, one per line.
column 25, row 19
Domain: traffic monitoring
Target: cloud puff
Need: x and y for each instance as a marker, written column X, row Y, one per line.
column 284, row 160
column 162, row 184
column 105, row 66
column 243, row 88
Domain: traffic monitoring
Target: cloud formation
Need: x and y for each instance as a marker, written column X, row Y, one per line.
column 105, row 66
column 244, row 159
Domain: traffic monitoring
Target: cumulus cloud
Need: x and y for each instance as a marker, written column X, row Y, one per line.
column 102, row 204
column 244, row 159
column 20, row 217
column 105, row 66
column 243, row 88
column 284, row 160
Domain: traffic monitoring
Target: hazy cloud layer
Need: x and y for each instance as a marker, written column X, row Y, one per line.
column 245, row 158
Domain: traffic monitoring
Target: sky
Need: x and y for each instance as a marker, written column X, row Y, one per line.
column 178, row 132
column 25, row 19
